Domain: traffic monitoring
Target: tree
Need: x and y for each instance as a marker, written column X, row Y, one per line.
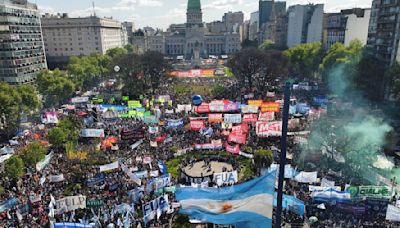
column 57, row 137
column 70, row 126
column 249, row 44
column 114, row 52
column 263, row 158
column 305, row 60
column 393, row 81
column 29, row 98
column 55, row 86
column 275, row 67
column 10, row 109
column 340, row 54
column 14, row 167
column 33, row 153
column 154, row 67
column 129, row 74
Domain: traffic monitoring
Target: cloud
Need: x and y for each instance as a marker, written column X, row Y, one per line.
column 46, row 9
column 123, row 4
column 222, row 4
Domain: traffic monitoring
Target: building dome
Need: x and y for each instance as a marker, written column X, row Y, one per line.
column 194, row 5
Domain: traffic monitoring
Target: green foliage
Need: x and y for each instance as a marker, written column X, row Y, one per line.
column 154, row 67
column 181, row 221
column 55, row 86
column 173, row 167
column 305, row 59
column 14, row 167
column 70, row 189
column 57, row 137
column 29, row 98
column 70, row 126
column 339, row 54
column 266, row 45
column 181, row 89
column 2, row 190
column 10, row 109
column 33, row 153
column 393, row 81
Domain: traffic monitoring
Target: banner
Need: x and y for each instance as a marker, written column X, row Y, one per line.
column 226, row 125
column 136, row 144
column 153, row 144
column 70, row 203
column 225, row 178
column 241, row 129
column 196, row 125
column 133, row 104
column 327, row 183
column 369, row 191
column 266, row 129
column 94, row 203
column 128, row 134
column 257, row 103
column 271, row 107
column 98, row 179
column 79, row 100
column 231, row 106
column 71, row 225
column 233, row 118
column 232, row 149
column 155, row 207
column 203, row 108
column 209, row 146
column 183, row 108
column 174, row 124
column 49, row 118
column 159, row 182
column 237, row 138
column 92, row 133
column 306, row 177
column 217, row 106
column 330, row 195
column 153, row 130
column 111, row 166
column 346, row 208
column 150, row 120
column 43, row 163
column 8, row 204
column 393, row 213
column 35, row 198
column 249, row 109
column 141, row 174
column 312, row 188
column 250, row 118
column 56, row 178
column 266, row 116
column 154, row 173
column 131, row 175
column 78, row 155
column 215, row 118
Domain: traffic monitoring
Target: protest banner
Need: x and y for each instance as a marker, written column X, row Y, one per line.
column 216, row 107
column 174, row 124
column 266, row 116
column 240, row 129
column 49, row 118
column 393, row 213
column 327, row 183
column 232, row 149
column 250, row 118
column 130, row 134
column 215, row 118
column 225, row 178
column 76, row 100
column 231, row 106
column 142, row 174
column 134, row 104
column 196, row 125
column 153, row 130
column 267, row 129
column 33, row 198
column 92, row 133
column 70, row 203
column 256, row 103
column 98, row 179
column 369, row 191
column 154, row 173
column 78, row 155
column 233, row 118
column 209, row 146
column 271, row 107
column 150, row 119
column 56, row 178
column 136, row 144
column 306, row 177
column 43, row 163
column 249, row 109
column 8, row 204
column 111, row 166
column 312, row 188
column 94, row 203
column 203, row 108
column 151, row 209
column 159, row 182
column 226, row 125
column 238, row 138
column 183, row 108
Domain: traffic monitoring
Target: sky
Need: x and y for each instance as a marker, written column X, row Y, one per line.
column 162, row 13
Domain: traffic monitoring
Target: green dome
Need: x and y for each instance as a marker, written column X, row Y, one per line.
column 194, row 5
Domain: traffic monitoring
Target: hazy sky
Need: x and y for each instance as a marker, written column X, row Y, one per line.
column 161, row 13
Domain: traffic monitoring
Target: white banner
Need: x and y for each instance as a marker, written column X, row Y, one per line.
column 40, row 165
column 111, row 166
column 393, row 213
column 154, row 173
column 233, row 118
column 70, row 203
column 56, row 178
column 266, row 129
column 79, row 100
column 136, row 144
column 249, row 109
column 307, row 177
column 92, row 133
column 327, row 183
column 312, row 188
column 225, row 178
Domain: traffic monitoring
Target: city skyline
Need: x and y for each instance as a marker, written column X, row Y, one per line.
column 160, row 14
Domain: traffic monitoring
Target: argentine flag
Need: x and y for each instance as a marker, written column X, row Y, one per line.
column 245, row 205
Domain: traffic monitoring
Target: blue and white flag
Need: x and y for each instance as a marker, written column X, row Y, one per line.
column 331, row 195
column 245, row 205
column 71, row 225
column 174, row 124
column 162, row 166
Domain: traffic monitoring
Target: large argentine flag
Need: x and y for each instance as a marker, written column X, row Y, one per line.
column 245, row 205
column 331, row 195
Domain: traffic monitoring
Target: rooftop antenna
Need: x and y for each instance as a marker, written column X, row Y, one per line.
column 94, row 9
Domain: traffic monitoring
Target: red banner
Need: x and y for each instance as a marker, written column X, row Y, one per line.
column 232, row 149
column 266, row 116
column 215, row 118
column 266, row 129
column 237, row 138
column 271, row 107
column 203, row 108
column 196, row 125
column 241, row 129
column 161, row 138
column 250, row 118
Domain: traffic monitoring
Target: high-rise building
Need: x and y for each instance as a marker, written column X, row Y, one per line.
column 22, row 53
column 348, row 25
column 233, row 20
column 384, row 30
column 305, row 24
column 253, row 27
column 129, row 27
column 244, row 31
column 272, row 21
column 64, row 37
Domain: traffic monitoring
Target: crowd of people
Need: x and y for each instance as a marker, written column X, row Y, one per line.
column 116, row 198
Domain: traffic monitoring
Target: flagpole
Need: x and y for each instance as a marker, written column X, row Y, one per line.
column 285, row 120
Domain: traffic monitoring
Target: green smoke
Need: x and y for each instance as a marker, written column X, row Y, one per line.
column 356, row 133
